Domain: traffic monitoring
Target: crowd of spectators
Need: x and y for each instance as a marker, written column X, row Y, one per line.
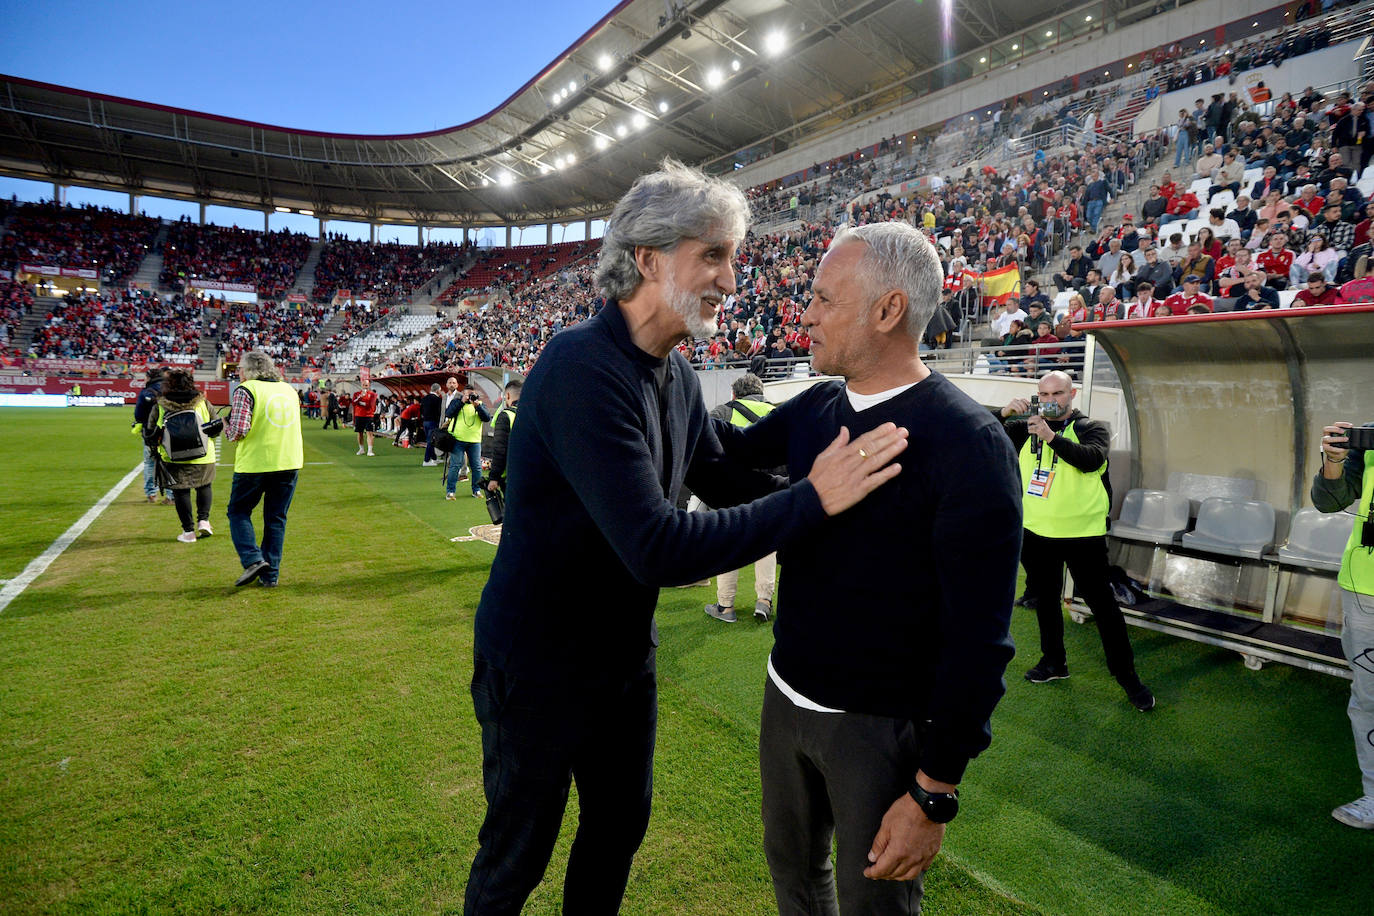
column 390, row 271
column 16, row 301
column 281, row 331
column 83, row 238
column 130, row 326
column 267, row 260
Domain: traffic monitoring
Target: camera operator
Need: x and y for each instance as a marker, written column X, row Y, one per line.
column 500, row 434
column 1347, row 477
column 1065, row 499
column 464, row 417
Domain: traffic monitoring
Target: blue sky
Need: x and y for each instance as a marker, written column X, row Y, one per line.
column 340, row 66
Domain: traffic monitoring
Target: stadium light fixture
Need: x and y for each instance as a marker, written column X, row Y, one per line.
column 602, row 142
column 639, row 121
column 662, row 107
column 982, row 60
column 621, row 130
column 559, row 162
column 506, row 179
column 1087, row 19
column 1016, row 47
column 306, row 212
column 572, row 87
column 1049, row 33
column 605, row 62
column 572, row 160
column 714, row 78
column 734, row 65
column 544, row 168
column 283, row 209
column 775, row 42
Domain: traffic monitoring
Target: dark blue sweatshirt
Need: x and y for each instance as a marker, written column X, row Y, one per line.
column 901, row 606
column 607, row 436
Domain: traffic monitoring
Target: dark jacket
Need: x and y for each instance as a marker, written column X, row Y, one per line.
column 430, row 407
column 500, row 444
column 607, row 436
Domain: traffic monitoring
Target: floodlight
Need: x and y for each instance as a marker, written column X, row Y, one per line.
column 775, row 42
column 283, row 209
column 559, row 163
column 572, row 87
column 506, row 179
column 1087, row 19
column 602, row 143
column 640, row 121
column 982, row 60
column 1016, row 47
column 604, row 62
column 1049, row 33
column 662, row 107
column 621, row 130
column 306, row 212
column 734, row 65
column 572, row 160
column 714, row 78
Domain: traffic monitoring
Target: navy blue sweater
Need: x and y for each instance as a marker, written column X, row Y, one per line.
column 901, row 606
column 592, row 529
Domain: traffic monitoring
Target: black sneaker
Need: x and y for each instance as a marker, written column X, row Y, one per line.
column 1044, row 672
column 1141, row 698
column 252, row 572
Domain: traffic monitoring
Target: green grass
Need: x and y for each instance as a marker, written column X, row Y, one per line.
column 170, row 744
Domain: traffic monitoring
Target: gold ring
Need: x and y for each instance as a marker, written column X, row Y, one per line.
column 863, row 454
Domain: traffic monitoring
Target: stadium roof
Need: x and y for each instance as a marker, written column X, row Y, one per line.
column 705, row 82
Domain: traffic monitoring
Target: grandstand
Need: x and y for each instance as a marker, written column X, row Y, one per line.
column 1038, row 127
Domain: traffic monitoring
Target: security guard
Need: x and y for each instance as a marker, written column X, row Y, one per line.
column 1347, row 478
column 265, row 421
column 1065, row 499
column 746, row 409
column 501, row 428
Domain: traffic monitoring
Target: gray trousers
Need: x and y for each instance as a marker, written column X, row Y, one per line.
column 831, row 776
column 1357, row 639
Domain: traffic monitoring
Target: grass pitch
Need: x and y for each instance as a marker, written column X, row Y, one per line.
column 170, row 744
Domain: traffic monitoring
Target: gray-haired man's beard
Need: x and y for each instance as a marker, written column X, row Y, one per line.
column 688, row 305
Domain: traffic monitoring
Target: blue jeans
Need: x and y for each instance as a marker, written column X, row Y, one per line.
column 150, row 475
column 1183, row 150
column 274, row 490
column 1093, row 212
column 473, row 452
column 430, row 427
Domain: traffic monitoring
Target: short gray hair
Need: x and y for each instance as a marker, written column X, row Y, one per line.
column 659, row 211
column 256, row 364
column 898, row 256
column 435, row 388
column 747, row 384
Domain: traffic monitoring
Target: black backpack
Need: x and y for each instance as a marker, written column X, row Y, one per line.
column 183, row 439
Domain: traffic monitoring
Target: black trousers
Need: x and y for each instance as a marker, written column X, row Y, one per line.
column 182, row 500
column 831, row 776
column 537, row 737
column 1086, row 558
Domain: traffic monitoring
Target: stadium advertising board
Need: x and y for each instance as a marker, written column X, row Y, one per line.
column 126, row 388
column 46, row 270
column 223, row 287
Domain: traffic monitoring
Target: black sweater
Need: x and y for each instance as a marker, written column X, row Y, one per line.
column 901, row 606
column 592, row 529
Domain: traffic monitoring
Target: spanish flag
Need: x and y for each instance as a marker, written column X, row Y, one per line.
column 997, row 285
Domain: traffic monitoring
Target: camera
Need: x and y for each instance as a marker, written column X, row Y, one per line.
column 1361, row 437
column 473, row 397
column 1034, row 410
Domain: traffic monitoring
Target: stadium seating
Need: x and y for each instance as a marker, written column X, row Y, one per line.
column 1152, row 516
column 1317, row 539
column 267, row 260
column 1232, row 527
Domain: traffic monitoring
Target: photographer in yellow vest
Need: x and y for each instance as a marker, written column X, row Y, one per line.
column 1065, row 498
column 265, row 422
column 463, row 418
column 1346, row 483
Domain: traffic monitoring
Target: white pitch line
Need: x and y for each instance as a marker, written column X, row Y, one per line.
column 36, row 566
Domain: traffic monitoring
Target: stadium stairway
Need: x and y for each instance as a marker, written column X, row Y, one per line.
column 305, row 277
column 331, row 327
column 42, row 305
column 146, row 277
column 209, row 350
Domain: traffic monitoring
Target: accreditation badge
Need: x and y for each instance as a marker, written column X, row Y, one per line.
column 1040, row 482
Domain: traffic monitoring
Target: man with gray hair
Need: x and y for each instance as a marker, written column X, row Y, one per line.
column 265, row 422
column 611, row 426
column 892, row 627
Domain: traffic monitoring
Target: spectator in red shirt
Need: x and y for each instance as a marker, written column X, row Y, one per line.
column 1276, row 261
column 1310, row 200
column 364, row 415
column 1143, row 304
column 1317, row 292
column 1188, row 297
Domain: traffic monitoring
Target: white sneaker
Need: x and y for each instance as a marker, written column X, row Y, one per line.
column 187, row 537
column 1358, row 814
column 370, row 454
column 360, row 450
column 203, row 530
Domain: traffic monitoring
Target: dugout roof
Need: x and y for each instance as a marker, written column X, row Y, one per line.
column 636, row 87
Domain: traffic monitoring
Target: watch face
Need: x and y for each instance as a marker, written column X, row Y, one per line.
column 941, row 808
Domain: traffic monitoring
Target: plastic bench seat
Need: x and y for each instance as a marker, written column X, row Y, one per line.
column 1317, row 539
column 1152, row 516
column 1232, row 527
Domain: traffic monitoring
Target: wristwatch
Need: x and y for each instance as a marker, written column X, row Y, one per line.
column 940, row 807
